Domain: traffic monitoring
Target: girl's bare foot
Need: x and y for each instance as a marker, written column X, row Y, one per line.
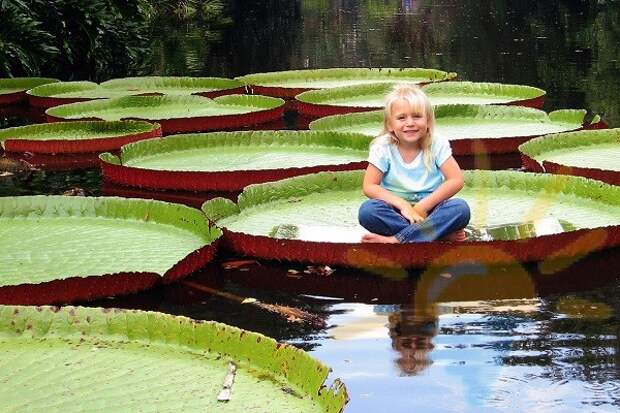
column 376, row 238
column 458, row 236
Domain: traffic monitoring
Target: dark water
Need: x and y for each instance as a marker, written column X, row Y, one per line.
column 464, row 339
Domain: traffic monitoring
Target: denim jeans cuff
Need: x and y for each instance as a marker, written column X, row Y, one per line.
column 401, row 237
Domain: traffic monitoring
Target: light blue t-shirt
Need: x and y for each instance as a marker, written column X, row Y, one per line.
column 411, row 181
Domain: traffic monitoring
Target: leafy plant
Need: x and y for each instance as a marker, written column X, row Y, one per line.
column 24, row 44
column 69, row 39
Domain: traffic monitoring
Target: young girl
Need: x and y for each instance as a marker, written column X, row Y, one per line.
column 411, row 176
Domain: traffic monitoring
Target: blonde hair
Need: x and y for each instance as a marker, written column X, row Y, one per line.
column 419, row 103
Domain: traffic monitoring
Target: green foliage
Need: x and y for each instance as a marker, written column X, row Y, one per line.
column 95, row 39
column 182, row 11
column 24, row 44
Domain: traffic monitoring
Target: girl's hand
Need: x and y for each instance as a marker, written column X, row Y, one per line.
column 412, row 213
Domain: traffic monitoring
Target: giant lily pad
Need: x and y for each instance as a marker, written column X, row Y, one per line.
column 177, row 85
column 593, row 154
column 329, row 202
column 74, row 137
column 361, row 98
column 177, row 113
column 471, row 129
column 53, row 358
column 228, row 161
column 55, row 248
column 62, row 93
column 287, row 84
column 80, row 91
column 13, row 90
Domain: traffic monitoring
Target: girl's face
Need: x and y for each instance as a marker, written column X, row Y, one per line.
column 406, row 123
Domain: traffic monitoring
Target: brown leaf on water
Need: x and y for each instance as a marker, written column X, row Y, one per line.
column 231, row 265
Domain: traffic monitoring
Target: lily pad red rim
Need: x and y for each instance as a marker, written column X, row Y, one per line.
column 226, row 181
column 316, row 110
column 577, row 139
column 567, row 245
column 198, row 123
column 480, row 146
column 27, row 83
column 76, row 288
column 67, row 146
column 228, row 86
column 253, row 82
column 44, row 99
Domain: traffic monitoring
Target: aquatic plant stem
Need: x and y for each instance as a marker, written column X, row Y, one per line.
column 291, row 314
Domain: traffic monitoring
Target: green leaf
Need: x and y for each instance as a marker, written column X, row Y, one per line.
column 45, row 238
column 441, row 93
column 585, row 149
column 172, row 85
column 70, row 131
column 21, row 84
column 329, row 78
column 150, row 362
column 495, row 198
column 247, row 150
column 164, row 107
column 467, row 121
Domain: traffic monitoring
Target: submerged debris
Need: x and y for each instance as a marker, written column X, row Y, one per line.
column 322, row 270
column 291, row 314
column 75, row 191
column 231, row 265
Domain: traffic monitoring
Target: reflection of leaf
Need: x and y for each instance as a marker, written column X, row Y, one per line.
column 516, row 231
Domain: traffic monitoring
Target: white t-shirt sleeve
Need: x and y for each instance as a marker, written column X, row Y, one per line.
column 441, row 150
column 378, row 156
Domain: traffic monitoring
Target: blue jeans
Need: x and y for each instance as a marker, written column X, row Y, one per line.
column 381, row 218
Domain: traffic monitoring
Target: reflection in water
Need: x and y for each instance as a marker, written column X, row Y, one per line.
column 412, row 331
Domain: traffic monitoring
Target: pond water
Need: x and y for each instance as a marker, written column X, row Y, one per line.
column 523, row 337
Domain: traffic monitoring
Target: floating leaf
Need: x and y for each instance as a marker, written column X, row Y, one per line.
column 592, row 154
column 75, row 137
column 151, row 362
column 289, row 83
column 13, row 90
column 177, row 113
column 471, row 129
column 332, row 200
column 229, row 161
column 57, row 248
column 368, row 97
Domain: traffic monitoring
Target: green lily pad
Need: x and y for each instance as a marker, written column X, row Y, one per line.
column 45, row 239
column 12, row 90
column 291, row 82
column 228, row 161
column 585, row 149
column 72, row 137
column 173, row 85
column 371, row 96
column 332, row 200
column 177, row 113
column 53, row 358
column 61, row 93
column 465, row 124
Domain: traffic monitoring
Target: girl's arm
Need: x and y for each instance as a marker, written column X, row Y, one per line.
column 372, row 189
column 453, row 183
